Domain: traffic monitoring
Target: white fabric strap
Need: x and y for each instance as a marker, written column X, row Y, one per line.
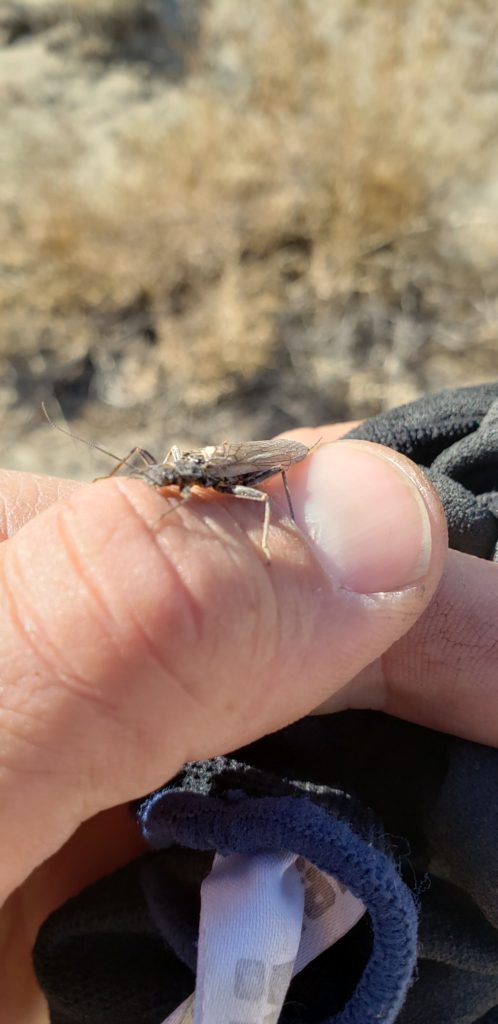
column 264, row 916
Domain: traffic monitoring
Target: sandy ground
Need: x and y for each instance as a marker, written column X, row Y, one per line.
column 224, row 220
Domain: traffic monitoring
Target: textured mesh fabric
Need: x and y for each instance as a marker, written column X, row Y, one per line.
column 101, row 957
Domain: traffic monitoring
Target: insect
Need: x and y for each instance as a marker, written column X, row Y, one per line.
column 234, row 469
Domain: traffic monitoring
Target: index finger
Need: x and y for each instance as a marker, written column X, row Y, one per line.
column 25, row 495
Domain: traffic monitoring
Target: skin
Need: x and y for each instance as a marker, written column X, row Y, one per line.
column 119, row 637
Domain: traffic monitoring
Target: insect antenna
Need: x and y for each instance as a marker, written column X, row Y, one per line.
column 76, row 437
column 315, row 444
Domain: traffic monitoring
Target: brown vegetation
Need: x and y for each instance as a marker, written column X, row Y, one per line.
column 222, row 220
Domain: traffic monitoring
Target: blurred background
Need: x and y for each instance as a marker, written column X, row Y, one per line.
column 221, row 220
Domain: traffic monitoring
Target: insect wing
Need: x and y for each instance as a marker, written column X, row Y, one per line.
column 252, row 458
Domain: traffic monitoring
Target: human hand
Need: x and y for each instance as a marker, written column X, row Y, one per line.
column 131, row 646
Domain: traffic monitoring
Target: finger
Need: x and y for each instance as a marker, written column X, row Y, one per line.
column 24, row 495
column 130, row 647
column 443, row 673
column 325, row 434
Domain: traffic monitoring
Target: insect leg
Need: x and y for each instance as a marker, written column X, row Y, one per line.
column 287, row 494
column 173, row 453
column 185, row 494
column 251, row 494
column 144, row 455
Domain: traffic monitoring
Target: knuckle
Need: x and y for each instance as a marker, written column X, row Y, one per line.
column 140, row 599
column 120, row 618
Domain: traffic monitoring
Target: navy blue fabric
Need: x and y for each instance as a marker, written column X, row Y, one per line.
column 406, row 817
column 299, row 821
column 437, row 797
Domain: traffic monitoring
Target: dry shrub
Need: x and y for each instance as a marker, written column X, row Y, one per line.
column 283, row 218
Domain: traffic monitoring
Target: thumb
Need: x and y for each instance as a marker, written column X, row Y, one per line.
column 130, row 645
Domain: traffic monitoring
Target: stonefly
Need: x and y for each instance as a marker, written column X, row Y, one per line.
column 234, row 469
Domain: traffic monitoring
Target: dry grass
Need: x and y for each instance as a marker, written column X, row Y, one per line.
column 280, row 222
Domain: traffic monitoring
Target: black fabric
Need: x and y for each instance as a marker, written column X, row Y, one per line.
column 101, row 958
column 124, row 950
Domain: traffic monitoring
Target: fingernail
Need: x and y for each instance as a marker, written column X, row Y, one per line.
column 366, row 517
